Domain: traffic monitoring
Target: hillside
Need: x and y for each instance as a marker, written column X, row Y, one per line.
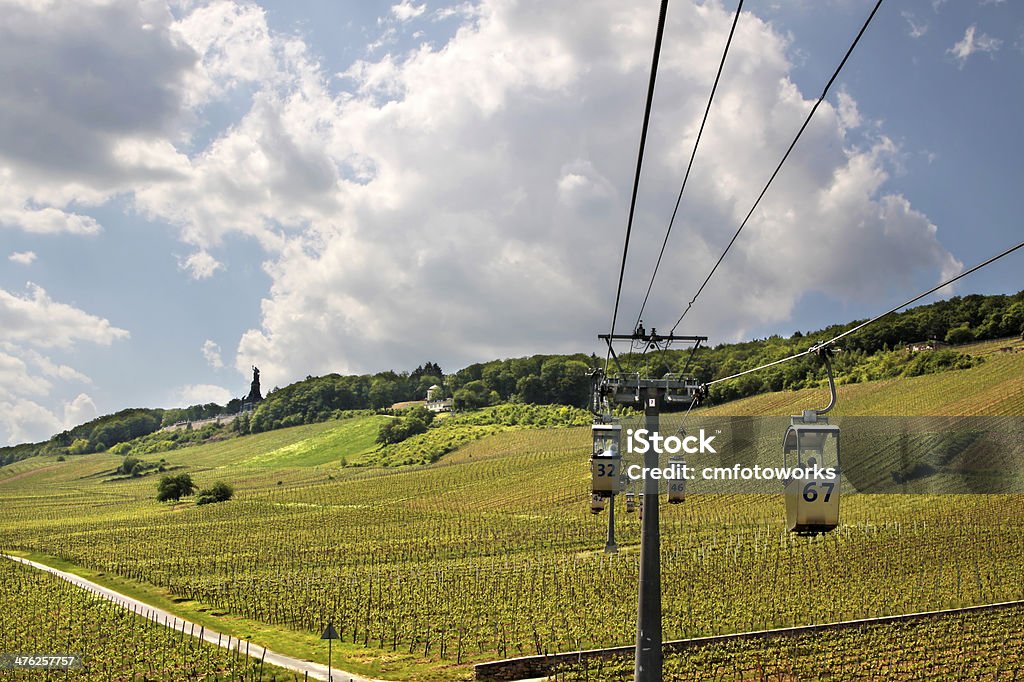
column 491, row 552
column 877, row 352
column 994, row 387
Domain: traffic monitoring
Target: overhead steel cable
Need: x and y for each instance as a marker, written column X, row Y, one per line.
column 785, row 156
column 639, row 165
column 689, row 166
column 930, row 291
column 860, row 326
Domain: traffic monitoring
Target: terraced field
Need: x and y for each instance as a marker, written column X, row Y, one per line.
column 491, row 551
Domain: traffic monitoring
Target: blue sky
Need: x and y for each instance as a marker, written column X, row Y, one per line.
column 190, row 188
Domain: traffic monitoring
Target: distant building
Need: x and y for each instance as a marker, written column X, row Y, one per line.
column 436, row 404
column 932, row 344
column 439, row 405
column 199, row 423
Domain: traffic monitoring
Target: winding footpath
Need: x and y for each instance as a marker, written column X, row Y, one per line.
column 315, row 671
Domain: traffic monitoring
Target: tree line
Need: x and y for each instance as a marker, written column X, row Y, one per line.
column 874, row 353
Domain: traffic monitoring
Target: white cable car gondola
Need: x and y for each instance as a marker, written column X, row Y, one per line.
column 630, row 503
column 605, row 459
column 676, row 486
column 811, row 447
column 596, row 503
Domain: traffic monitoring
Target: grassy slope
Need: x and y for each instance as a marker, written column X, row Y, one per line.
column 349, row 441
column 996, row 387
column 237, row 450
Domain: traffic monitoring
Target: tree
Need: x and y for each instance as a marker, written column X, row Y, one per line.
column 961, row 334
column 565, row 381
column 218, row 492
column 1013, row 320
column 501, row 379
column 382, row 393
column 530, row 389
column 174, row 487
column 474, row 395
column 240, row 424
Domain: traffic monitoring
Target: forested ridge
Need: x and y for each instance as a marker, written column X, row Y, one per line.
column 876, row 352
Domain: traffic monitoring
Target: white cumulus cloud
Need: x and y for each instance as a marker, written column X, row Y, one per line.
column 200, row 265
column 211, row 352
column 28, row 377
column 79, row 410
column 22, row 257
column 24, row 421
column 38, row 320
column 55, row 370
column 17, row 380
column 917, row 29
column 200, row 394
column 407, row 10
column 510, row 243
column 972, row 43
column 74, row 100
column 849, row 115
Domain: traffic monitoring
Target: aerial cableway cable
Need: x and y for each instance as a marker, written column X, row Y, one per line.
column 815, row 348
column 689, row 166
column 639, row 162
column 785, row 156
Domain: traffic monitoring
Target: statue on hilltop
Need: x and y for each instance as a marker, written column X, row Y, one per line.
column 254, row 388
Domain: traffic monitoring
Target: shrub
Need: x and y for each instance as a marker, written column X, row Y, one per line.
column 415, row 421
column 218, row 492
column 80, row 446
column 961, row 334
column 130, row 465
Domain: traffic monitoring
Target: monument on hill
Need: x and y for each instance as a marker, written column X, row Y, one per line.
column 254, row 389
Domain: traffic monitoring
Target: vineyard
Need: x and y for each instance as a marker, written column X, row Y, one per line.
column 491, row 552
column 44, row 614
column 994, row 388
